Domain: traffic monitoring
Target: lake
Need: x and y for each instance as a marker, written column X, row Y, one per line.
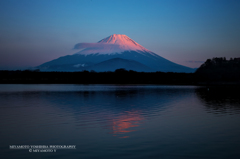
column 119, row 121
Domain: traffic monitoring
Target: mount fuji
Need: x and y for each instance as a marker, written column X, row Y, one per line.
column 111, row 53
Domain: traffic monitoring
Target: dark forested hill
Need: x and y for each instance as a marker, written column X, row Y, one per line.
column 220, row 69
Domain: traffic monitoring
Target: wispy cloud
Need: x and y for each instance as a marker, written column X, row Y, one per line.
column 94, row 45
column 195, row 61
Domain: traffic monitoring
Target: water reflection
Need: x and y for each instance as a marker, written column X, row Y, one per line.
column 118, row 109
column 220, row 100
column 120, row 121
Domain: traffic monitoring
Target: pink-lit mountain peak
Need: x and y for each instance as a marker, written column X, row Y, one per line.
column 119, row 39
column 115, row 43
column 123, row 40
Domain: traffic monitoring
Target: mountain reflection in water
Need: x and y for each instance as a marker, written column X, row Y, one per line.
column 119, row 111
column 125, row 122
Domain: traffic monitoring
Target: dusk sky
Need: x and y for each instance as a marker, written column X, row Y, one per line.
column 186, row 32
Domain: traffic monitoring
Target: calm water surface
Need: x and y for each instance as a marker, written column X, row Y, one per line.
column 120, row 121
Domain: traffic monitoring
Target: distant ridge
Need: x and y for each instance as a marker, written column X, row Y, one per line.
column 117, row 63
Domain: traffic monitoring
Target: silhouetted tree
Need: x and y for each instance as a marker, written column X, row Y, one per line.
column 121, row 70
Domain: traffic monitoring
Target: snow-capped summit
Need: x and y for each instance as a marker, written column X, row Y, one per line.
column 124, row 41
column 116, row 43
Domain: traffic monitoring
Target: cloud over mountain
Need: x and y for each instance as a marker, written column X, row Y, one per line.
column 94, row 45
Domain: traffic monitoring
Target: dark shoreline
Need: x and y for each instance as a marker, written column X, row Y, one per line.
column 117, row 77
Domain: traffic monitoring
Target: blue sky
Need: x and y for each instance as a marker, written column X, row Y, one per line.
column 184, row 31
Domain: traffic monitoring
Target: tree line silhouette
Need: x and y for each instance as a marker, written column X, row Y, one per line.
column 213, row 71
